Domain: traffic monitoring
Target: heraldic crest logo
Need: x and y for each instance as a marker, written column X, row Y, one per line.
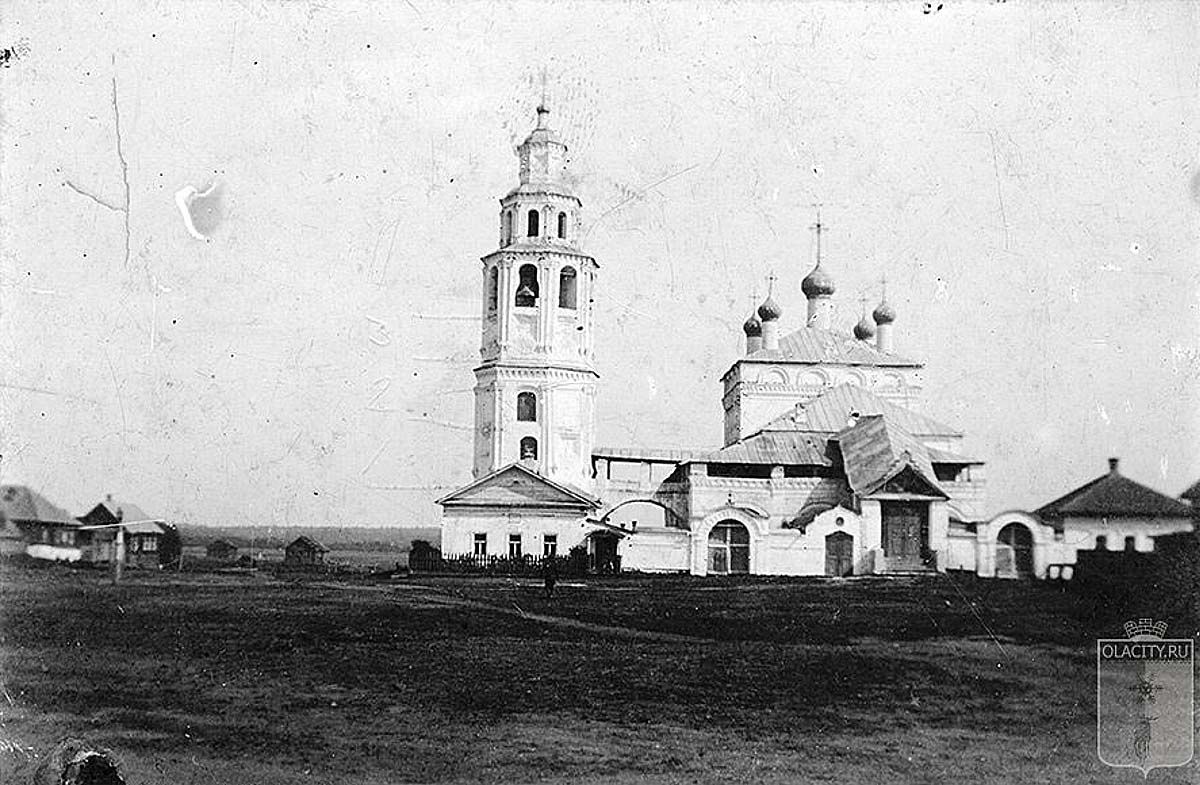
column 1144, row 698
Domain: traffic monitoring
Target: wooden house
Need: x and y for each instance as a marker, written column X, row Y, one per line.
column 304, row 551
column 143, row 534
column 37, row 527
column 221, row 550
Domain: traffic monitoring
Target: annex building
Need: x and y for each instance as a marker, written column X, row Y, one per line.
column 830, row 465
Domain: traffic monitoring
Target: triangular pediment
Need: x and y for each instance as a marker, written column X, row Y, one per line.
column 516, row 485
column 912, row 483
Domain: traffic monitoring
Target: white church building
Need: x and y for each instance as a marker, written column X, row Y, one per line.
column 829, row 465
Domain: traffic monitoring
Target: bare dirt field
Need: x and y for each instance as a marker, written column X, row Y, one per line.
column 206, row 678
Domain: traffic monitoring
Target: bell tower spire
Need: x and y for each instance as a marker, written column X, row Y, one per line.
column 535, row 388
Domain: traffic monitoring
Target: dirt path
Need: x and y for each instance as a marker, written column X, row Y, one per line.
column 433, row 596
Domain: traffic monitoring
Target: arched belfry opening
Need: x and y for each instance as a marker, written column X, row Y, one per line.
column 526, row 407
column 527, row 286
column 567, row 291
column 529, row 449
column 507, row 227
column 534, row 217
column 562, row 226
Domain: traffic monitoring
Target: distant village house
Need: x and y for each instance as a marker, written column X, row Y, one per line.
column 221, row 550
column 304, row 551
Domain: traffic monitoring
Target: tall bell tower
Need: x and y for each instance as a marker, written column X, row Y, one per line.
column 535, row 389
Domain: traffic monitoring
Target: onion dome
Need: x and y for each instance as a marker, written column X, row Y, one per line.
column 769, row 311
column 753, row 327
column 884, row 313
column 818, row 283
column 865, row 329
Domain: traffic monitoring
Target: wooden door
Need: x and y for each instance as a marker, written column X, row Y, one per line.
column 839, row 555
column 903, row 531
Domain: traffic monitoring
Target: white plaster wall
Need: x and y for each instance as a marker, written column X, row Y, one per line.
column 656, row 549
column 460, row 526
column 960, row 551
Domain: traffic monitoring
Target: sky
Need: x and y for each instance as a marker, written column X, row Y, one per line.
column 1024, row 174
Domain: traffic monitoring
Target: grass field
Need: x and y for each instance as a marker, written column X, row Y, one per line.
column 195, row 678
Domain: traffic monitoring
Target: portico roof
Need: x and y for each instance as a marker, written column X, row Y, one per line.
column 876, row 451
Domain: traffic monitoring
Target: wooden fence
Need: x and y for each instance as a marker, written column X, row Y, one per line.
column 477, row 564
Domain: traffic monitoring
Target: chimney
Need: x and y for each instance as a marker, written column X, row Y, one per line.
column 1112, row 465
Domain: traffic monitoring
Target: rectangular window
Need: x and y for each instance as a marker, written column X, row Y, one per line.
column 1130, row 544
column 550, row 545
column 149, row 544
column 514, row 546
column 480, row 545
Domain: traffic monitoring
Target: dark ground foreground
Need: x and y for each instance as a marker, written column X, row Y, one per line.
column 205, row 678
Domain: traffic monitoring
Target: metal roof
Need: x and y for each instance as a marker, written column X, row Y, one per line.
column 833, row 410
column 874, row 451
column 815, row 345
column 937, row 455
column 783, row 448
column 659, row 454
column 1114, row 495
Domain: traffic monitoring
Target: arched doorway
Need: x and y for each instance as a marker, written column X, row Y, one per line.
column 728, row 549
column 1014, row 552
column 839, row 554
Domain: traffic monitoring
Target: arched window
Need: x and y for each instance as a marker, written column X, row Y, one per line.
column 728, row 548
column 508, row 227
column 562, row 226
column 529, row 448
column 533, row 223
column 566, row 288
column 527, row 288
column 526, row 407
column 1102, row 543
column 493, row 290
column 1130, row 544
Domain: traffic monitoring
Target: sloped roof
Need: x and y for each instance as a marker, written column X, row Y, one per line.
column 785, row 448
column 830, row 411
column 21, row 503
column 111, row 511
column 1113, row 495
column 307, row 542
column 1192, row 493
column 517, row 485
column 937, row 455
column 815, row 345
column 661, row 454
column 875, row 451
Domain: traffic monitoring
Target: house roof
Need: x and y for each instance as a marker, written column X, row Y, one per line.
column 828, row 347
column 832, row 410
column 1113, row 495
column 518, row 485
column 787, row 448
column 305, row 541
column 21, row 503
column 876, row 451
column 110, row 511
column 1193, row 493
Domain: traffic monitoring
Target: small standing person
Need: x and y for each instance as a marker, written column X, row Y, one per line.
column 550, row 575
